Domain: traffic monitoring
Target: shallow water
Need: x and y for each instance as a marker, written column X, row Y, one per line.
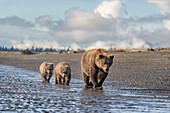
column 22, row 91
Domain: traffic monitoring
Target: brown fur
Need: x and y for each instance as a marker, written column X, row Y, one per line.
column 95, row 65
column 62, row 73
column 46, row 70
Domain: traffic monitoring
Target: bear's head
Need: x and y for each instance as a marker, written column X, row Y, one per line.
column 104, row 61
column 64, row 70
column 49, row 68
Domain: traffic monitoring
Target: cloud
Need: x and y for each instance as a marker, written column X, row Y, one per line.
column 162, row 4
column 167, row 24
column 78, row 19
column 90, row 29
column 20, row 33
column 159, row 37
column 125, row 44
column 112, row 9
column 84, row 29
column 26, row 43
column 74, row 46
column 35, row 43
column 45, row 21
column 16, row 21
column 164, row 10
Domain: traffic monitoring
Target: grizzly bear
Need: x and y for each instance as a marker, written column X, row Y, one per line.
column 62, row 73
column 95, row 65
column 46, row 70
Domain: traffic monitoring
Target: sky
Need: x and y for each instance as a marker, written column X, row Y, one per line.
column 85, row 24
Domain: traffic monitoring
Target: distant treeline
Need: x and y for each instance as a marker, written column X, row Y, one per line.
column 33, row 49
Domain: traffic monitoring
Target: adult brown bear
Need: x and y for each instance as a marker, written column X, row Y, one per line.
column 95, row 65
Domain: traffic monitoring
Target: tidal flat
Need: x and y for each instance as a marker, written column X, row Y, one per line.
column 137, row 82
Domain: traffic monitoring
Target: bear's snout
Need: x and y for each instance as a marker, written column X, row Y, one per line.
column 106, row 70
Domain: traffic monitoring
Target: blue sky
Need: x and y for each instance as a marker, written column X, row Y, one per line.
column 69, row 23
column 34, row 8
column 30, row 9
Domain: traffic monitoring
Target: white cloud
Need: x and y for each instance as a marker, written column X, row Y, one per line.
column 123, row 44
column 82, row 29
column 167, row 24
column 163, row 4
column 77, row 19
column 99, row 44
column 138, row 43
column 74, row 46
column 40, row 44
column 114, row 9
column 87, row 29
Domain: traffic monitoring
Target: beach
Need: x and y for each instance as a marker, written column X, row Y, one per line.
column 137, row 82
column 149, row 70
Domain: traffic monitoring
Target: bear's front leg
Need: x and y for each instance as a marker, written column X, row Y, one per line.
column 90, row 84
column 49, row 77
column 62, row 81
column 93, row 79
column 58, row 79
column 86, row 81
column 43, row 77
column 56, row 82
column 101, row 77
column 67, row 80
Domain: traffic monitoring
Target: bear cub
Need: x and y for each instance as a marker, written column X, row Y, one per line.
column 46, row 70
column 62, row 73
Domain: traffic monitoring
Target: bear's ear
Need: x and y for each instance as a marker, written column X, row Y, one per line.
column 66, row 66
column 101, row 56
column 111, row 56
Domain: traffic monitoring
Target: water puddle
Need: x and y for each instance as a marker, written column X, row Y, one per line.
column 22, row 91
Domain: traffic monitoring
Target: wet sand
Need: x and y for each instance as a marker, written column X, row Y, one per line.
column 21, row 91
column 149, row 70
column 137, row 82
